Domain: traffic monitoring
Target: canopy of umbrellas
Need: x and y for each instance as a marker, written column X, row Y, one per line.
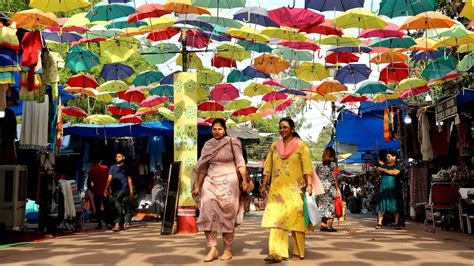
column 280, row 56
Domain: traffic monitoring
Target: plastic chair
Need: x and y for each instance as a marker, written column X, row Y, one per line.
column 444, row 198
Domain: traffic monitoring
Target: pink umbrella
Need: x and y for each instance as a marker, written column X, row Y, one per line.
column 195, row 38
column 224, row 92
column 203, row 122
column 130, row 119
column 245, row 111
column 413, row 92
column 298, row 18
column 274, row 96
column 132, row 95
column 171, row 106
column 274, row 82
column 61, row 27
column 391, row 30
column 153, row 101
column 307, row 45
column 210, row 106
column 74, row 111
column 284, row 105
column 120, row 111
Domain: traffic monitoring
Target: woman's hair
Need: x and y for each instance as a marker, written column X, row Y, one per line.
column 329, row 156
column 222, row 123
column 383, row 156
column 292, row 125
column 393, row 153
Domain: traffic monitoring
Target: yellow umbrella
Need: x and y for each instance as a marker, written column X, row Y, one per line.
column 255, row 89
column 194, row 61
column 100, row 120
column 344, row 40
column 360, row 18
column 410, row 83
column 248, row 33
column 104, row 97
column 284, row 33
column 118, row 49
column 58, row 5
column 232, row 51
column 77, row 19
column 202, row 95
column 150, row 109
column 113, row 86
column 424, row 44
column 184, row 7
column 385, row 96
column 251, row 117
column 31, row 18
column 166, row 113
column 158, row 23
column 327, row 97
column 454, row 41
column 211, row 114
column 237, row 104
column 86, row 91
column 465, row 48
column 311, row 71
column 468, row 10
column 271, row 104
column 130, row 32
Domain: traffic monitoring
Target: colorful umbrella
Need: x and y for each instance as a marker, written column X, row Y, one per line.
column 162, row 34
column 256, row 89
column 210, row 106
column 325, row 28
column 327, row 97
column 306, row 45
column 245, row 111
column 104, row 11
column 134, row 95
column 211, row 114
column 122, row 23
column 193, row 61
column 255, row 15
column 391, row 30
column 195, row 38
column 166, row 113
column 237, row 104
column 153, row 101
column 270, row 105
column 298, row 18
column 439, row 67
column 273, row 82
column 74, row 111
column 413, row 92
column 224, row 92
column 389, row 57
column 334, row 5
column 116, row 71
column 353, row 98
column 311, row 71
column 115, row 110
column 385, row 96
column 59, row 5
column 118, row 49
column 83, row 80
column 188, row 20
column 122, row 103
column 394, row 72
column 100, row 120
column 75, row 21
column 32, row 18
column 270, row 64
column 113, row 86
column 63, row 37
column 359, row 18
column 79, row 59
column 237, row 76
column 410, row 83
column 295, row 83
column 371, row 87
column 184, row 7
column 101, row 31
column 248, row 33
column 232, row 51
column 353, row 73
column 448, row 77
column 162, row 90
column 351, row 49
column 221, row 21
column 161, row 53
column 395, row 8
column 394, row 42
column 254, row 73
column 255, row 46
column 103, row 97
column 341, row 57
column 209, row 77
column 250, row 117
column 147, row 111
column 219, row 3
column 292, row 54
column 274, row 96
column 467, row 62
column 147, row 77
column 339, row 41
column 218, row 61
column 158, row 23
column 148, row 11
column 130, row 119
column 284, row 34
column 329, row 86
column 427, row 20
column 293, row 92
column 428, row 54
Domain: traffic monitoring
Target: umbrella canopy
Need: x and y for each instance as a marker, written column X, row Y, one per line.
column 79, row 59
column 334, row 5
column 161, row 53
column 162, row 90
column 394, row 42
column 147, row 77
column 329, row 86
column 116, row 71
column 353, row 73
column 153, row 101
column 254, row 73
column 221, row 21
column 448, row 77
column 104, row 11
column 270, row 64
column 189, row 20
column 219, row 3
column 100, row 120
column 410, row 83
column 193, row 61
column 326, row 28
column 389, row 57
column 385, row 96
column 394, row 8
column 359, row 18
column 340, row 41
column 274, row 96
column 64, row 37
column 394, row 72
column 105, row 97
column 118, row 49
column 210, row 106
column 148, row 11
column 341, row 57
column 32, row 18
column 255, row 15
column 122, row 23
column 134, row 95
column 209, row 77
column 162, row 34
column 224, row 92
column 413, row 92
column 218, row 61
column 113, row 86
column 353, row 98
column 59, row 5
column 439, row 67
column 115, row 110
column 248, row 33
column 295, row 83
column 284, row 34
column 292, row 54
column 390, row 30
column 298, row 18
column 184, row 7
column 134, row 119
column 467, row 62
column 351, row 49
column 306, row 45
column 237, row 76
column 256, row 89
column 327, row 97
column 122, row 103
column 273, row 82
column 371, row 87
column 427, row 20
column 425, row 55
column 245, row 111
column 232, row 51
column 237, row 104
column 73, row 111
column 83, row 80
column 311, row 71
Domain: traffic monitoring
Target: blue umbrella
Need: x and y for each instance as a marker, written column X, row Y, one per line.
column 219, row 37
column 351, row 49
column 191, row 19
column 254, row 73
column 104, row 11
column 333, row 5
column 353, row 73
column 255, row 15
column 294, row 92
column 237, row 76
column 116, row 71
column 64, row 37
column 169, row 79
column 425, row 55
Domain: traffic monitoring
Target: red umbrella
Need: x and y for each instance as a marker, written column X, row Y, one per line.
column 162, row 34
column 209, row 120
column 391, row 30
column 450, row 76
column 132, row 95
column 394, row 72
column 298, row 18
column 245, row 111
column 274, row 82
column 67, row 29
column 219, row 61
column 210, row 106
column 325, row 28
column 120, row 111
column 341, row 57
column 73, row 111
column 307, row 45
column 284, row 105
column 134, row 119
column 148, row 11
column 149, row 112
column 413, row 92
column 352, row 98
column 153, row 101
column 171, row 106
column 224, row 92
column 195, row 38
column 274, row 96
column 83, row 81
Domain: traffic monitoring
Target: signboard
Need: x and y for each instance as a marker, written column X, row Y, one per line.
column 368, row 157
column 446, row 109
column 171, row 203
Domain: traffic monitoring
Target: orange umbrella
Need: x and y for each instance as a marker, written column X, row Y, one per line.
column 427, row 20
column 31, row 18
column 389, row 57
column 329, row 86
column 270, row 64
column 86, row 91
column 184, row 7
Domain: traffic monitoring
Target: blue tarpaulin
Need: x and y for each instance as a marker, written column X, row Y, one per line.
column 367, row 107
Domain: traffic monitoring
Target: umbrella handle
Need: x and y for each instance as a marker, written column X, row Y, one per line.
column 294, row 4
column 372, row 8
column 319, row 54
column 248, row 17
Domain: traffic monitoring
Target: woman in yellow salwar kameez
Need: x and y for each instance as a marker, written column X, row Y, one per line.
column 288, row 166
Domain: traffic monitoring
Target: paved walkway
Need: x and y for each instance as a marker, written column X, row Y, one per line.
column 142, row 244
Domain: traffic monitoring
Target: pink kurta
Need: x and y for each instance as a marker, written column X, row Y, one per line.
column 220, row 209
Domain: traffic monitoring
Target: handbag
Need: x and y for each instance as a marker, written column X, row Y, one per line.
column 338, row 206
column 237, row 170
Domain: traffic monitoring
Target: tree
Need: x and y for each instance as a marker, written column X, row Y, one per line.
column 317, row 147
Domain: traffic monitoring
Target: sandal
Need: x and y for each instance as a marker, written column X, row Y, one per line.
column 323, row 229
column 378, row 226
column 272, row 259
column 332, row 230
column 297, row 257
column 398, row 227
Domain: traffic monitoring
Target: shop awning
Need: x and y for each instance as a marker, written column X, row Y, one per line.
column 367, row 107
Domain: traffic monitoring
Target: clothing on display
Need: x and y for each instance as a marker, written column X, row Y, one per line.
column 418, row 178
column 8, row 38
column 424, row 137
column 69, row 208
column 156, row 148
column 34, row 133
column 8, row 60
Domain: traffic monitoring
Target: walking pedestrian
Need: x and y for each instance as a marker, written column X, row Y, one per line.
column 96, row 183
column 388, row 198
column 326, row 172
column 216, row 188
column 119, row 184
column 288, row 170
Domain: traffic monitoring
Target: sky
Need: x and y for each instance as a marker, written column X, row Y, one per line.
column 318, row 114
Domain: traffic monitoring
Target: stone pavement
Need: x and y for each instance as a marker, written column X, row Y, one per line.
column 356, row 243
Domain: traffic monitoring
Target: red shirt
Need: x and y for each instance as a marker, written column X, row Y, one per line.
column 97, row 179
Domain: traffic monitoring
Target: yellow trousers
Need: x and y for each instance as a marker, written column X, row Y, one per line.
column 278, row 243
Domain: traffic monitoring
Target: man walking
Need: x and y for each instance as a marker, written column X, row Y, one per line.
column 119, row 182
column 96, row 183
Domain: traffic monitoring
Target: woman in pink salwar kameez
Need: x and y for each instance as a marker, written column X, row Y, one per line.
column 216, row 188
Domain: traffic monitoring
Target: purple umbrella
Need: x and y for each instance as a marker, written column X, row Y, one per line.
column 191, row 19
column 255, row 15
column 351, row 49
column 116, row 71
column 169, row 79
column 333, row 5
column 294, row 92
column 64, row 37
column 219, row 37
column 353, row 73
column 254, row 73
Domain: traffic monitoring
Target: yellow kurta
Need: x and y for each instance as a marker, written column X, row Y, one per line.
column 284, row 208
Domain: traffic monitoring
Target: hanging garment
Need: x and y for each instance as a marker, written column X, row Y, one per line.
column 157, row 199
column 7, row 78
column 424, row 137
column 156, row 148
column 36, row 93
column 69, row 209
column 418, row 178
column 32, row 44
column 3, row 96
column 51, row 63
column 8, row 60
column 34, row 133
column 8, row 38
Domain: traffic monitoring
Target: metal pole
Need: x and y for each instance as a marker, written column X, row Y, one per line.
column 184, row 51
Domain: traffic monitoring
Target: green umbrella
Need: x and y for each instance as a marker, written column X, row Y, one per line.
column 209, row 77
column 122, row 103
column 456, row 31
column 219, row 3
column 371, row 87
column 162, row 90
column 397, row 8
column 237, row 76
column 467, row 62
column 147, row 77
column 295, row 83
column 255, row 46
column 100, row 120
column 439, row 67
column 122, row 23
column 106, row 12
column 100, row 31
column 394, row 42
column 292, row 54
column 160, row 54
column 79, row 59
column 221, row 21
